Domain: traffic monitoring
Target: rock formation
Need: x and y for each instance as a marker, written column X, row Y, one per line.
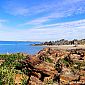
column 55, row 67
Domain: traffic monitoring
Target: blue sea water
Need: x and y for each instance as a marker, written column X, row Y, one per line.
column 19, row 46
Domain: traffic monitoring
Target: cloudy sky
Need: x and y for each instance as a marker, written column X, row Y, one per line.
column 42, row 20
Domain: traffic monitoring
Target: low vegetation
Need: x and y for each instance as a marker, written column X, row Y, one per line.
column 8, row 68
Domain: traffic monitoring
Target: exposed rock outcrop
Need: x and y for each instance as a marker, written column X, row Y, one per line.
column 58, row 67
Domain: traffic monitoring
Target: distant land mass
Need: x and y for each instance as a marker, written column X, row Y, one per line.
column 63, row 42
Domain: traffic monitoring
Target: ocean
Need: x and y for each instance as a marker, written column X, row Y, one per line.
column 19, row 46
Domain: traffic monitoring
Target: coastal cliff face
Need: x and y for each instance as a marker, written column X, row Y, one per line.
column 55, row 67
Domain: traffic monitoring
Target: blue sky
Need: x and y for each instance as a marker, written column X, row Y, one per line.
column 42, row 20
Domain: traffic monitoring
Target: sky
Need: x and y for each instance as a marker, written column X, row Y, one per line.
column 42, row 20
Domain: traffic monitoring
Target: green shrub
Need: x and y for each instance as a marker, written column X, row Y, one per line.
column 48, row 60
column 8, row 68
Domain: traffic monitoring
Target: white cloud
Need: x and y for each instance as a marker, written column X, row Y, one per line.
column 67, row 30
column 2, row 24
column 51, row 10
column 36, row 22
column 3, row 20
column 20, row 11
column 54, row 9
column 17, row 10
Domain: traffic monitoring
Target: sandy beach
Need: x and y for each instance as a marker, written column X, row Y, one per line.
column 67, row 47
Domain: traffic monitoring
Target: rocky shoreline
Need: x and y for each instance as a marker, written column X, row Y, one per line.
column 55, row 67
column 50, row 67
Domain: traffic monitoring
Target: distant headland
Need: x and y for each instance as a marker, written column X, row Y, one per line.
column 63, row 42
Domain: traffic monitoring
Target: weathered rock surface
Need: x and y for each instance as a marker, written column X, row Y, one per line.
column 61, row 66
